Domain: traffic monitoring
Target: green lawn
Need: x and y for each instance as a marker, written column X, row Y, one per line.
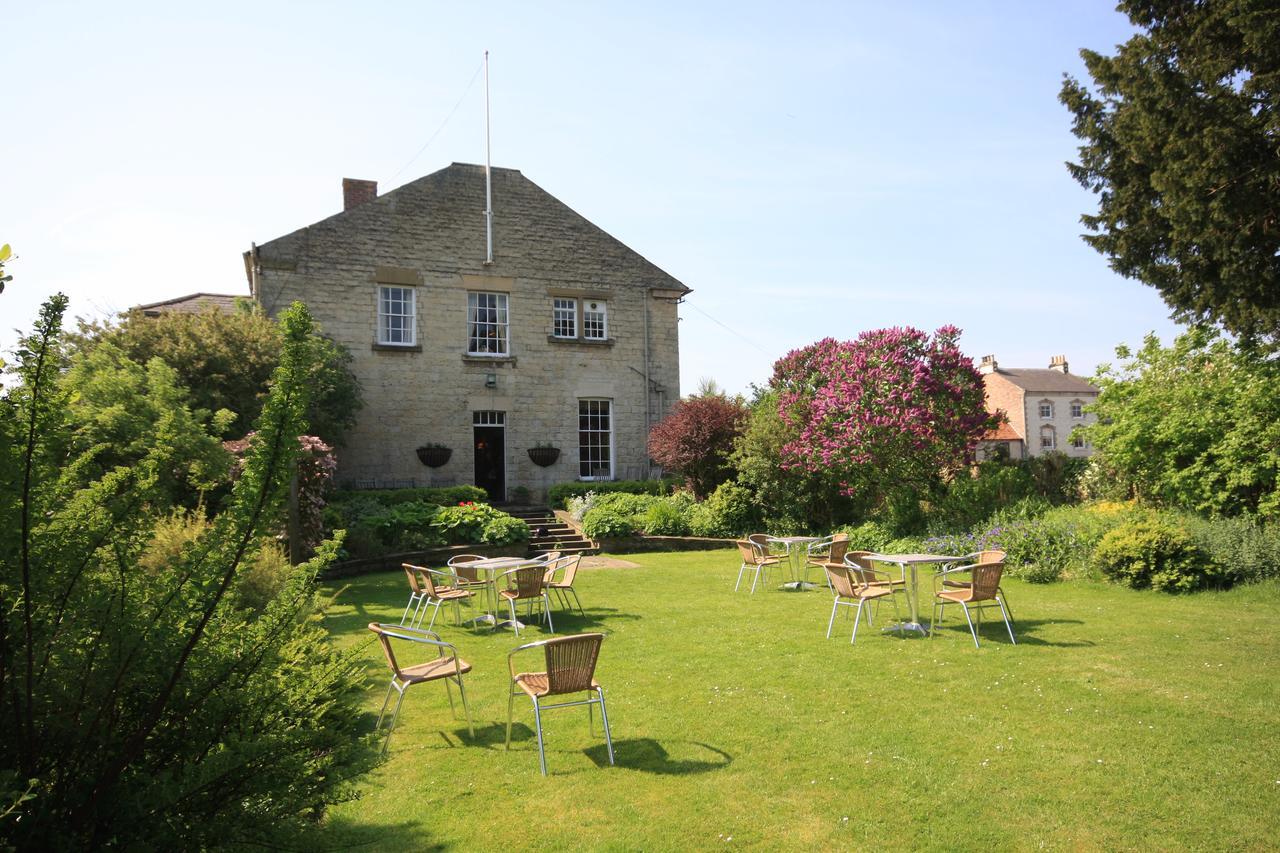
column 1121, row 719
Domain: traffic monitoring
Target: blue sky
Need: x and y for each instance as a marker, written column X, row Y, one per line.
column 809, row 169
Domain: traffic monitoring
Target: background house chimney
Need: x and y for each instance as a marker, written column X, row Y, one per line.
column 356, row 192
column 1058, row 363
column 988, row 364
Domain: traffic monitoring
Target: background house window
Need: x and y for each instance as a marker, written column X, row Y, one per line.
column 1046, row 409
column 1048, row 439
column 564, row 318
column 595, row 440
column 1077, row 442
column 595, row 322
column 396, row 316
column 1077, row 409
column 487, row 324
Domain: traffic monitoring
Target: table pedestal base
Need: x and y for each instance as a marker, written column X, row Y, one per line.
column 799, row 585
column 907, row 626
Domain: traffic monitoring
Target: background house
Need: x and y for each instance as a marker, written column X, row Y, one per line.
column 566, row 338
column 1044, row 406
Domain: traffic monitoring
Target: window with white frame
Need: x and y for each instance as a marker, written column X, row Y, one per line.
column 1046, row 409
column 487, row 324
column 396, row 316
column 1077, row 442
column 595, row 440
column 1048, row 438
column 595, row 320
column 1077, row 409
column 564, row 318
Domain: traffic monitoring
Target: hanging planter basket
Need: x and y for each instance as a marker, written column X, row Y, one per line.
column 434, row 457
column 544, row 456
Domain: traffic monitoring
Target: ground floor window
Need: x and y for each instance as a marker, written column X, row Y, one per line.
column 595, row 440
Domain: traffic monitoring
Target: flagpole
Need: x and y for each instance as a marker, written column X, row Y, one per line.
column 488, row 178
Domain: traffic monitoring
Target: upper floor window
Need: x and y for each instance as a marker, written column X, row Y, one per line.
column 1077, row 409
column 396, row 316
column 1046, row 409
column 595, row 320
column 487, row 324
column 1077, row 442
column 564, row 320
column 1048, row 438
column 595, row 440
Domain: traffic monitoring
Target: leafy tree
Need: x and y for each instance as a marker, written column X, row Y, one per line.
column 227, row 359
column 890, row 416
column 792, row 499
column 695, row 440
column 1179, row 143
column 1195, row 425
column 5, row 254
column 143, row 705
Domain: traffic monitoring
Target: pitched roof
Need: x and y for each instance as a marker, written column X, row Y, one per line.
column 441, row 217
column 1045, row 381
column 1004, row 432
column 193, row 303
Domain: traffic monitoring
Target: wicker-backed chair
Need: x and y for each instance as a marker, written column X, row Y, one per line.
column 852, row 586
column 465, row 577
column 754, row 559
column 417, row 595
column 567, row 569
column 982, row 592
column 827, row 551
column 570, row 668
column 436, row 588
column 968, row 560
column 862, row 560
column 549, row 556
column 527, row 583
column 446, row 666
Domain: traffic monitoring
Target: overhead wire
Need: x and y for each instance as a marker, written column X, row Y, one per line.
column 442, row 126
column 728, row 328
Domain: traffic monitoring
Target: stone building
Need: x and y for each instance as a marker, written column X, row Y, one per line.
column 1044, row 406
column 565, row 339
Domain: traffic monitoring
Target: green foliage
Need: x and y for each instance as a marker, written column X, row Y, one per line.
column 440, row 495
column 225, row 361
column 869, row 536
column 1150, row 551
column 696, row 437
column 792, row 498
column 972, row 499
column 603, row 523
column 469, row 523
column 5, row 254
column 153, row 709
column 1179, row 144
column 1195, row 426
column 626, row 503
column 1245, row 547
column 665, row 518
column 559, row 494
column 730, row 512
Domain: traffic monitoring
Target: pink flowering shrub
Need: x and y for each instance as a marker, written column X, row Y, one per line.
column 895, row 412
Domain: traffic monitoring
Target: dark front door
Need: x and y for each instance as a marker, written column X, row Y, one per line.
column 491, row 470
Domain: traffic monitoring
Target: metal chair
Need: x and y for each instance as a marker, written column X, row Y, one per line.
column 527, row 583
column 754, row 558
column 862, row 561
column 982, row 592
column 970, row 560
column 827, row 551
column 569, row 566
column 416, row 595
column 435, row 593
column 466, row 577
column 852, row 586
column 444, row 667
column 571, row 666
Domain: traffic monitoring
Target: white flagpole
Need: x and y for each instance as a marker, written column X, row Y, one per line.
column 488, row 179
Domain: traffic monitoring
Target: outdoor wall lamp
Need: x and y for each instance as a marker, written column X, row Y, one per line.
column 491, row 380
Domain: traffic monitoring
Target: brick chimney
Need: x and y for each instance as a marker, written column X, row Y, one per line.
column 988, row 364
column 356, row 192
column 1058, row 363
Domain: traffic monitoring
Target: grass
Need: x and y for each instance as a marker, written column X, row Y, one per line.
column 1121, row 719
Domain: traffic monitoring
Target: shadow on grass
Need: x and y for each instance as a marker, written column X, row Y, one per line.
column 340, row 833
column 649, row 756
column 993, row 630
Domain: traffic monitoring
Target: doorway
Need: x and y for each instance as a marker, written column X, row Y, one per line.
column 489, row 437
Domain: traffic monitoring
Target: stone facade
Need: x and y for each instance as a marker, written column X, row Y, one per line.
column 428, row 237
column 1021, row 392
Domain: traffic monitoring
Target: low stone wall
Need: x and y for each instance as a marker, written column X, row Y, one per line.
column 431, row 557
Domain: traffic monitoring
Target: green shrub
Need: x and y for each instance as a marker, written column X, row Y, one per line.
column 440, row 496
column 559, row 494
column 729, row 512
column 869, row 536
column 604, row 523
column 1153, row 552
column 666, row 518
column 470, row 523
column 577, row 505
column 626, row 503
column 262, row 579
column 1246, row 548
column 971, row 500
